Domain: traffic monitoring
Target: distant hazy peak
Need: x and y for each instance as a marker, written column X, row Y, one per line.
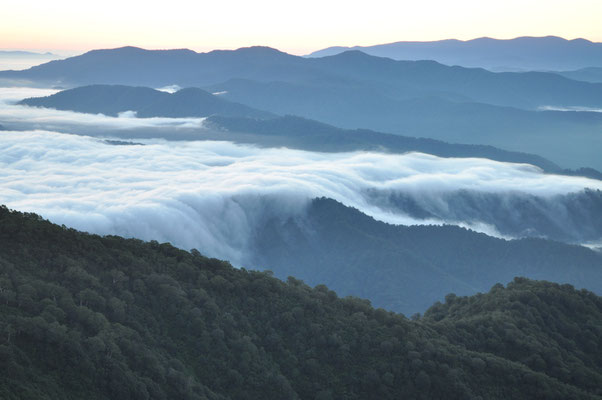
column 259, row 50
column 24, row 53
column 549, row 39
column 521, row 53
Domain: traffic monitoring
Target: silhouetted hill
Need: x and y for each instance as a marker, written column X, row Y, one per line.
column 95, row 317
column 113, row 99
column 522, row 53
column 408, row 268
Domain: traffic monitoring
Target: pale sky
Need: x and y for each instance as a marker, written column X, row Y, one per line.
column 295, row 27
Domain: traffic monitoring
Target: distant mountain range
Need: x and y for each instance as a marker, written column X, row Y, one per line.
column 20, row 60
column 436, row 116
column 352, row 70
column 548, row 53
column 356, row 90
column 23, row 54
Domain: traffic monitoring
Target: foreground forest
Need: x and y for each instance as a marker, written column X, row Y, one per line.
column 84, row 316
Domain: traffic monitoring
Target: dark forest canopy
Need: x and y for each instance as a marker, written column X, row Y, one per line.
column 84, row 316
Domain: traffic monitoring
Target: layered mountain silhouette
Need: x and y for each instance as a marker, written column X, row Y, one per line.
column 397, row 79
column 356, row 90
column 453, row 120
column 522, row 53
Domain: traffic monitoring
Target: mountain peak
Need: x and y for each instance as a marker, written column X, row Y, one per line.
column 524, row 53
column 260, row 49
column 133, row 50
column 353, row 54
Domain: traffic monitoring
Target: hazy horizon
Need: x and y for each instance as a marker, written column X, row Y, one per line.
column 24, row 62
column 297, row 29
column 65, row 53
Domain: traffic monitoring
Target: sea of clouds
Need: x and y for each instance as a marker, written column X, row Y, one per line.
column 213, row 195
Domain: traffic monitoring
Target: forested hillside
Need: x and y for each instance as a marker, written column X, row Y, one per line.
column 549, row 327
column 83, row 316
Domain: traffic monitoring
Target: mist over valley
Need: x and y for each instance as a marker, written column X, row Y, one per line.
column 125, row 175
column 414, row 219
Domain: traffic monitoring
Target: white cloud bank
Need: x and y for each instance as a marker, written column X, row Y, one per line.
column 48, row 118
column 574, row 108
column 212, row 195
column 169, row 89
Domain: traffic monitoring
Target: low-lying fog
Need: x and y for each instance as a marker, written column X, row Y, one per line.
column 212, row 195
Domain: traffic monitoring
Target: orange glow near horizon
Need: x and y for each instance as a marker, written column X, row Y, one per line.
column 297, row 28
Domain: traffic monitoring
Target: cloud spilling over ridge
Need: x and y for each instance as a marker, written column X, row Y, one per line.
column 212, row 195
column 169, row 89
column 25, row 117
column 575, row 108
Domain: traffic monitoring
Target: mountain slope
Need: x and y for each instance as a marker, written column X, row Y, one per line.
column 522, row 53
column 533, row 323
column 146, row 102
column 100, row 318
column 406, row 268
